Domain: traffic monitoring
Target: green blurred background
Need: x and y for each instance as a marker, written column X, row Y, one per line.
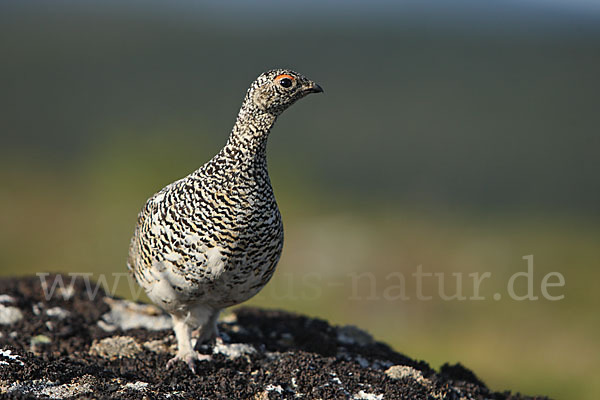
column 457, row 137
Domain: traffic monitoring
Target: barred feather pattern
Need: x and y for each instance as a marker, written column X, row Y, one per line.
column 214, row 237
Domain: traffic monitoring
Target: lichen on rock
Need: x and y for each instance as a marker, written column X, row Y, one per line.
column 261, row 354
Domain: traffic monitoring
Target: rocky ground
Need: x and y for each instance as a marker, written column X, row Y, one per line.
column 72, row 347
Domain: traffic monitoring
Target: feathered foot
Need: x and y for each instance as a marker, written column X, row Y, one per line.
column 189, row 358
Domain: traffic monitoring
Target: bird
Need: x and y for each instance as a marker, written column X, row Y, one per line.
column 212, row 239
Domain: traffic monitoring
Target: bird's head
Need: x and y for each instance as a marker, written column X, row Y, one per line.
column 277, row 89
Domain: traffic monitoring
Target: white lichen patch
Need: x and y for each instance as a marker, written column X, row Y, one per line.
column 6, row 357
column 126, row 315
column 9, row 315
column 233, row 350
column 67, row 390
column 57, row 312
column 274, row 388
column 362, row 395
column 53, row 390
column 137, row 386
column 404, row 371
column 4, row 298
column 27, row 387
column 115, row 347
column 336, row 380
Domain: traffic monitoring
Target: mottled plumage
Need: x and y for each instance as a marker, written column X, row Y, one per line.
column 213, row 238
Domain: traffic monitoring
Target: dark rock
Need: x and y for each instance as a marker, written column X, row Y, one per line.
column 264, row 354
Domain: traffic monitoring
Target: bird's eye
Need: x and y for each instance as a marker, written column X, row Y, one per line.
column 286, row 82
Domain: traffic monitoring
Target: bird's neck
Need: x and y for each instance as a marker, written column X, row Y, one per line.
column 248, row 140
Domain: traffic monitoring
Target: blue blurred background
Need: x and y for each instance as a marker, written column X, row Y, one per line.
column 457, row 136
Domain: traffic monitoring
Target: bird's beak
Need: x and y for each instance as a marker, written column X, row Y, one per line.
column 313, row 88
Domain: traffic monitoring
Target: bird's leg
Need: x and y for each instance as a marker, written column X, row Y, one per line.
column 185, row 351
column 209, row 331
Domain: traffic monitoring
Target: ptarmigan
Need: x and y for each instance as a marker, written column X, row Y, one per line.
column 212, row 239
